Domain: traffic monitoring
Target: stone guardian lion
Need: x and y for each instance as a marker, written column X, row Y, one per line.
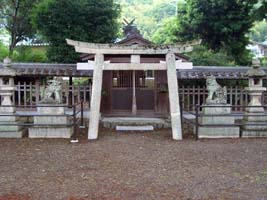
column 216, row 93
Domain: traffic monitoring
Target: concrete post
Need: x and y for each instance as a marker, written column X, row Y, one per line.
column 96, row 97
column 173, row 97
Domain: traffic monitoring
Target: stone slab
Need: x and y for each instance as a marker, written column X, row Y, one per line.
column 259, row 126
column 134, row 128
column 49, row 132
column 112, row 122
column 214, row 109
column 8, row 118
column 217, row 120
column 50, row 110
column 218, row 132
column 255, row 117
column 15, row 127
column 251, row 133
column 52, row 120
column 13, row 134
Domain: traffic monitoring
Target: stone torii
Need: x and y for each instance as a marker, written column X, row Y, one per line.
column 98, row 65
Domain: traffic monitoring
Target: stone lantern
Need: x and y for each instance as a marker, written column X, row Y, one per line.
column 7, row 109
column 253, row 115
column 255, row 88
column 7, row 87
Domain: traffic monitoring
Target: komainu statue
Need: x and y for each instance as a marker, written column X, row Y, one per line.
column 216, row 93
column 52, row 92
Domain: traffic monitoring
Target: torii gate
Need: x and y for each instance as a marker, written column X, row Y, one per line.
column 98, row 65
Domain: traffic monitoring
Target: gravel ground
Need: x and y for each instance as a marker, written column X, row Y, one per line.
column 133, row 166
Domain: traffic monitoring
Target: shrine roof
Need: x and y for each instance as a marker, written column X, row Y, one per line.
column 198, row 72
column 220, row 72
column 47, row 69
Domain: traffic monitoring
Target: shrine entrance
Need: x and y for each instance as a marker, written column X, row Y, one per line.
column 123, row 90
column 100, row 64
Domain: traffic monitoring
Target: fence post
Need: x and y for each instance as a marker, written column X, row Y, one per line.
column 74, row 138
column 196, row 122
column 82, row 124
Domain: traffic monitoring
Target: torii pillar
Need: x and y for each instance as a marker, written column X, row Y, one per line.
column 174, row 97
column 96, row 97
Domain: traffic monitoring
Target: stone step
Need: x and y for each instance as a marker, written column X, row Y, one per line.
column 13, row 134
column 134, row 128
column 112, row 122
column 50, row 132
column 254, row 133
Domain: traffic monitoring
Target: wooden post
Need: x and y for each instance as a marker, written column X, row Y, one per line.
column 37, row 90
column 70, row 91
column 134, row 59
column 134, row 107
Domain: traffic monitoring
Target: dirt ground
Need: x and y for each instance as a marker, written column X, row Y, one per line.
column 134, row 166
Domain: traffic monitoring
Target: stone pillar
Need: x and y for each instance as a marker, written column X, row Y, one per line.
column 173, row 97
column 96, row 97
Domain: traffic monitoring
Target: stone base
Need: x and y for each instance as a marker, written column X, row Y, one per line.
column 45, row 109
column 13, row 134
column 255, row 133
column 218, row 132
column 12, row 130
column 50, row 132
column 64, row 120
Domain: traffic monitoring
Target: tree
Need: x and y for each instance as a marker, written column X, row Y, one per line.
column 85, row 20
column 166, row 33
column 221, row 24
column 201, row 56
column 15, row 18
column 259, row 32
column 3, row 51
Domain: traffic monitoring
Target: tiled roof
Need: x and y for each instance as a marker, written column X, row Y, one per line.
column 198, row 72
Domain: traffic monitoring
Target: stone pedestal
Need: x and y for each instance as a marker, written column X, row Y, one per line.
column 254, row 114
column 217, row 131
column 257, row 130
column 45, row 125
column 9, row 124
column 12, row 130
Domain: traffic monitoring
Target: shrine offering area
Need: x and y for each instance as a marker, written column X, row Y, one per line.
column 133, row 166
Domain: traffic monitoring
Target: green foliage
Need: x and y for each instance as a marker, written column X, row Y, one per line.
column 259, row 32
column 3, row 52
column 85, row 20
column 15, row 18
column 166, row 34
column 201, row 56
column 221, row 24
column 264, row 61
column 26, row 54
column 23, row 54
